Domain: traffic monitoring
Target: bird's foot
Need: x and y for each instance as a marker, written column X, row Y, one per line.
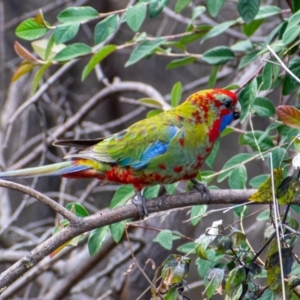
column 140, row 202
column 202, row 188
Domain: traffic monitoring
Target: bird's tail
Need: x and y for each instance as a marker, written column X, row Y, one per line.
column 59, row 169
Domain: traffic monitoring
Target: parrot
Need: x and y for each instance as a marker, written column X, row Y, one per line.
column 162, row 149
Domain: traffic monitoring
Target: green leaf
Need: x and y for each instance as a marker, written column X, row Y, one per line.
column 150, row 102
column 291, row 33
column 46, row 49
column 269, row 75
column 277, row 46
column 181, row 5
column 250, row 28
column 143, row 49
column 296, row 208
column 197, row 11
column 238, row 177
column 230, row 87
column 73, row 51
column 242, row 46
column 187, row 248
column 197, row 212
column 153, row 113
column 267, row 11
column 290, row 85
column 172, row 294
column 135, row 16
column 262, row 138
column 171, row 188
column 180, row 62
column 217, row 30
column 121, row 196
column 96, row 239
column 296, row 5
column 156, row 6
column 106, row 28
column 65, row 32
column 246, row 99
column 233, row 163
column 278, row 155
column 255, row 182
column 38, row 76
column 267, row 295
column 294, row 19
column 248, row 9
column 234, row 283
column 151, row 191
column 248, row 58
column 176, row 94
column 202, row 243
column 201, row 31
column 240, row 211
column 77, row 14
column 214, row 6
column 212, row 156
column 165, row 239
column 78, row 209
column 273, row 33
column 265, row 214
column 204, row 265
column 117, row 230
column 263, row 107
column 50, row 49
column 96, row 59
column 218, row 55
column 30, row 30
column 213, row 280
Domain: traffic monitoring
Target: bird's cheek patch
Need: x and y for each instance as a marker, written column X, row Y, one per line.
column 226, row 120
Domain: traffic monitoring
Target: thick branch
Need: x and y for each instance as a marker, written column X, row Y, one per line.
column 165, row 202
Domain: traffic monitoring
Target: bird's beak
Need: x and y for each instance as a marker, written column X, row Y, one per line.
column 237, row 111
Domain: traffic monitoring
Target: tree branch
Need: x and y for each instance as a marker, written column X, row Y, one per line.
column 159, row 204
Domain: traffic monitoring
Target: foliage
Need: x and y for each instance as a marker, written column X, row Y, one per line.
column 224, row 253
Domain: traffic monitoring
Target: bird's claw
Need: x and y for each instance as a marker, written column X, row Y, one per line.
column 140, row 203
column 202, row 188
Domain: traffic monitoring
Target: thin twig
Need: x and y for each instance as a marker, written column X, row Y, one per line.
column 41, row 197
column 282, row 64
column 277, row 220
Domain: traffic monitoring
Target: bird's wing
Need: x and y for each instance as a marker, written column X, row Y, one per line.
column 136, row 146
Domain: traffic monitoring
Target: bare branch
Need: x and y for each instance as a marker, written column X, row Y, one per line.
column 165, row 202
column 39, row 196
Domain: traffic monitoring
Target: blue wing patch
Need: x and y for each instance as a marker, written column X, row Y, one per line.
column 155, row 149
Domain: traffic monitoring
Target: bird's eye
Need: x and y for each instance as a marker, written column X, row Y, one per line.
column 227, row 103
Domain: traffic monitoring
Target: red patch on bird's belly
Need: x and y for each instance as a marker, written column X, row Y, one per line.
column 178, row 169
column 162, row 166
column 136, row 178
column 189, row 176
